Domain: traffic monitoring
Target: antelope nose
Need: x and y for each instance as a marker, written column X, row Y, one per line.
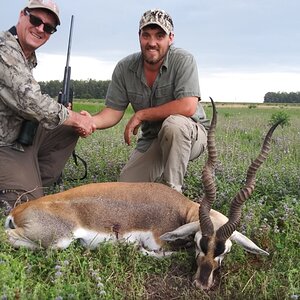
column 199, row 285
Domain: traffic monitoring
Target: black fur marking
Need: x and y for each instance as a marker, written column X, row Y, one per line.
column 205, row 272
column 204, row 244
column 11, row 224
column 220, row 248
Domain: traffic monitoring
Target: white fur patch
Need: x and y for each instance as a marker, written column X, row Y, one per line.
column 143, row 238
column 62, row 243
column 91, row 238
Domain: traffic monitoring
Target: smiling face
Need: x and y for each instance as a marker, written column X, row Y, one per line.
column 32, row 37
column 154, row 44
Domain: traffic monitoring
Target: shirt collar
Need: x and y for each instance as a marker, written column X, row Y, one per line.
column 32, row 60
column 165, row 63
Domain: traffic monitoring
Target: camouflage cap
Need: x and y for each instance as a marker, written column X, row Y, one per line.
column 158, row 17
column 45, row 4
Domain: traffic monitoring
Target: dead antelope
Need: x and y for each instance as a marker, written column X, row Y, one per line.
column 148, row 214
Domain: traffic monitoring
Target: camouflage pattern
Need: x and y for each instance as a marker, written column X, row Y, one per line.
column 45, row 4
column 20, row 95
column 158, row 17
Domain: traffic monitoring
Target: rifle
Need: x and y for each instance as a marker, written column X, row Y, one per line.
column 65, row 96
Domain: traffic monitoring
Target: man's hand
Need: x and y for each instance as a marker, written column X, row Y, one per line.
column 132, row 127
column 184, row 106
column 87, row 125
column 82, row 122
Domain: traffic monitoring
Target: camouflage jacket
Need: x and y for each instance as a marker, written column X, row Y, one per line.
column 20, row 94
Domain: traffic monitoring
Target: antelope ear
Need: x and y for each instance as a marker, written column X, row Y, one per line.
column 247, row 244
column 182, row 232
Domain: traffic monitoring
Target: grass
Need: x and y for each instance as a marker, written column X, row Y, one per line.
column 271, row 218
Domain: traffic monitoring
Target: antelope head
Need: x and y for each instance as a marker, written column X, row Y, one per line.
column 214, row 239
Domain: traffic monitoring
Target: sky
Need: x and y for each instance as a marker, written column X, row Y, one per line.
column 243, row 48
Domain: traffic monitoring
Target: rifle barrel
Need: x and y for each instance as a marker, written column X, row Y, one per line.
column 65, row 94
column 70, row 41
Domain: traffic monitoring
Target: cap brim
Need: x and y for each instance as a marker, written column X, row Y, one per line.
column 46, row 8
column 158, row 24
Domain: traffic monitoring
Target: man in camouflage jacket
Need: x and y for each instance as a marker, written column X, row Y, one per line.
column 28, row 166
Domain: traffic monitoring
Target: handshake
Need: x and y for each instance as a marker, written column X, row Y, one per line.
column 82, row 122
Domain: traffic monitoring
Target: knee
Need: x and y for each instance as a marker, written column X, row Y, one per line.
column 173, row 127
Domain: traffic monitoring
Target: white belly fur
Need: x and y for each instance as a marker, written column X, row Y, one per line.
column 91, row 239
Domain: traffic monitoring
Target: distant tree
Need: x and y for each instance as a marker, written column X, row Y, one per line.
column 83, row 89
column 282, row 97
column 51, row 87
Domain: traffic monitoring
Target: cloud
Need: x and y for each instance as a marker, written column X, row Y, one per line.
column 246, row 87
column 51, row 67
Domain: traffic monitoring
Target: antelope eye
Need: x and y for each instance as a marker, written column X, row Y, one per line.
column 220, row 249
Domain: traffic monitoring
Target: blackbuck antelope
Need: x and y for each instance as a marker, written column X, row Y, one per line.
column 148, row 214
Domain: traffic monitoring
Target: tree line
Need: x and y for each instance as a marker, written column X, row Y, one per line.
column 282, row 97
column 96, row 89
column 82, row 89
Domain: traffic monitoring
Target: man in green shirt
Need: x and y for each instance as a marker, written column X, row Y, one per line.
column 161, row 83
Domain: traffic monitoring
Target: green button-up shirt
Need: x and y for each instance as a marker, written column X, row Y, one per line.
column 177, row 78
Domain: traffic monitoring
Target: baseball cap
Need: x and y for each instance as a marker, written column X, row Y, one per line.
column 46, row 4
column 158, row 17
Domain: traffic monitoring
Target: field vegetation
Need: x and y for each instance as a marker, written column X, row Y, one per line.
column 271, row 218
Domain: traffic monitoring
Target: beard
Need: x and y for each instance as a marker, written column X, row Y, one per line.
column 155, row 57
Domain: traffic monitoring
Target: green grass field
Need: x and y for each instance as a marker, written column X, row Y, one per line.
column 271, row 218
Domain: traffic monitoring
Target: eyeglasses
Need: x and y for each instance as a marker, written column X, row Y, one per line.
column 35, row 21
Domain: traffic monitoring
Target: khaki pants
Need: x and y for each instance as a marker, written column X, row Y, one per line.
column 179, row 141
column 40, row 165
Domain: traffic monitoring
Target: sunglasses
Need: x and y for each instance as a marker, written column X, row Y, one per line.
column 35, row 21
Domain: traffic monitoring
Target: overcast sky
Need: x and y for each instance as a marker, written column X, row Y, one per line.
column 244, row 48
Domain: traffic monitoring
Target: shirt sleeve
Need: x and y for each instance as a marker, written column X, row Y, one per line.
column 186, row 79
column 117, row 96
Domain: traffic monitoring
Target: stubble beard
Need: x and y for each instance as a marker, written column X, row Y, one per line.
column 152, row 60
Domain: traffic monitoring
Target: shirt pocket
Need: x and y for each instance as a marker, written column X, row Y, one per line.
column 164, row 94
column 138, row 100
